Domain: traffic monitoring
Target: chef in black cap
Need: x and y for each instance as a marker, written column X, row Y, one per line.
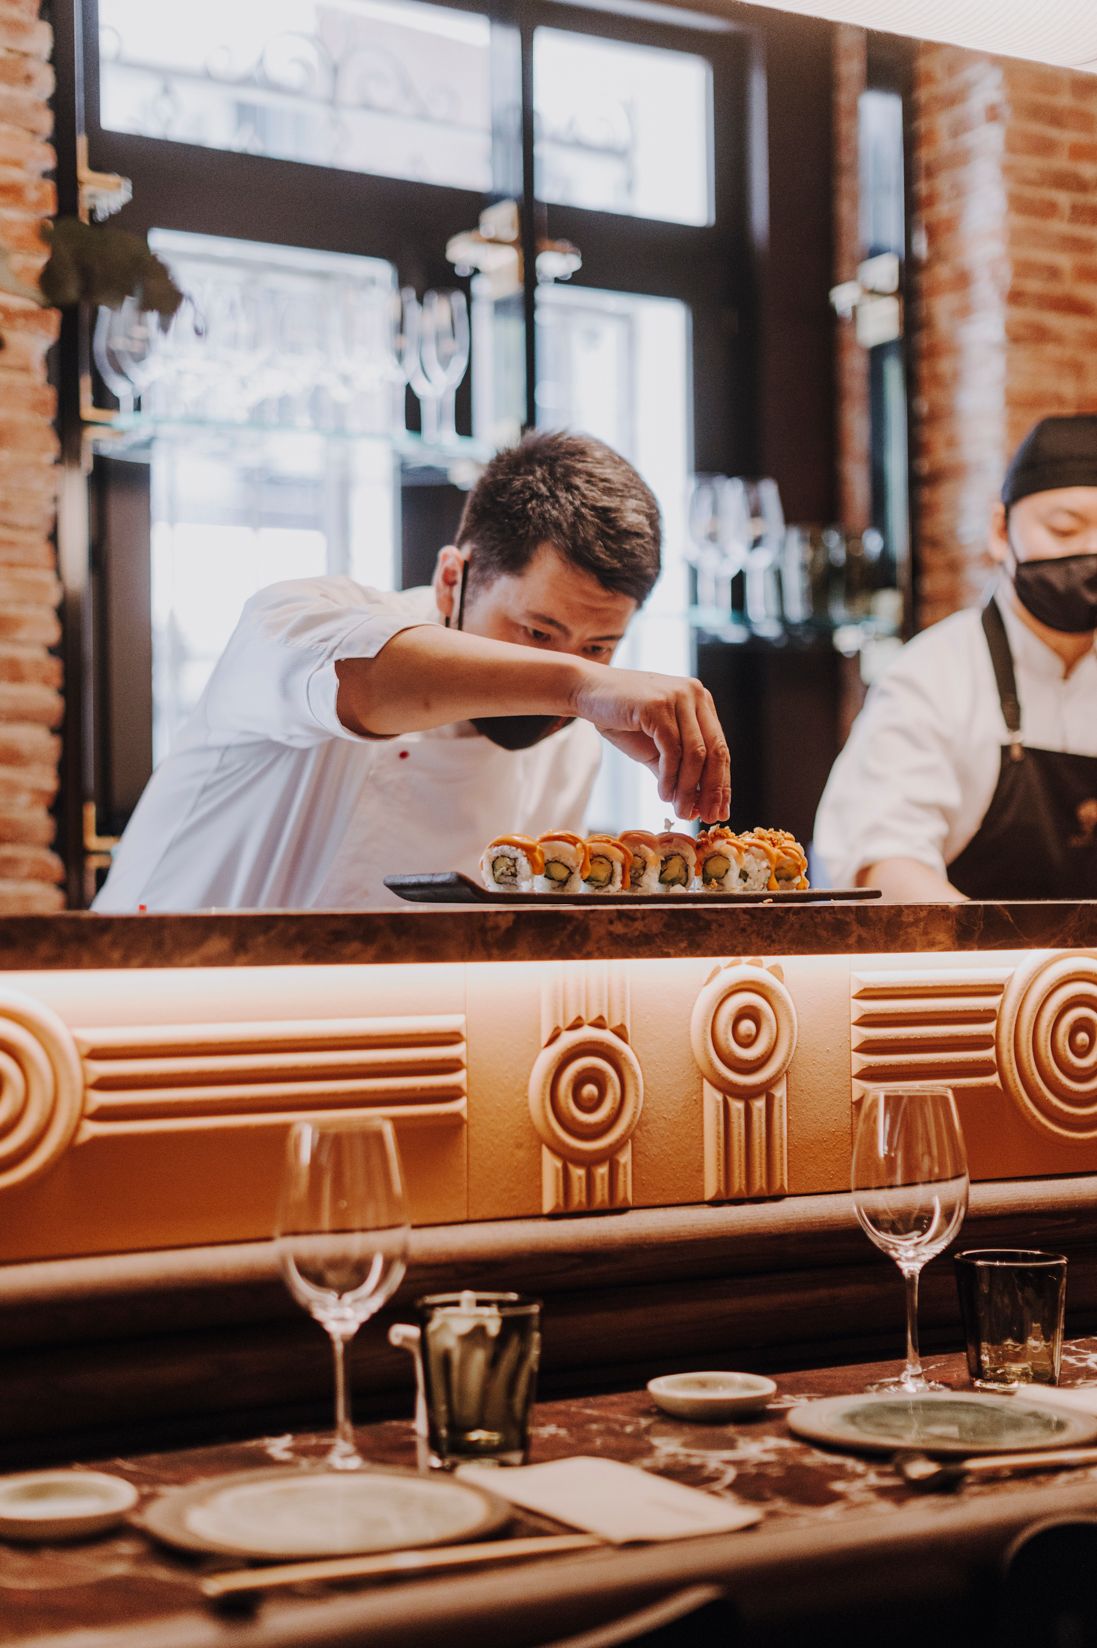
column 972, row 770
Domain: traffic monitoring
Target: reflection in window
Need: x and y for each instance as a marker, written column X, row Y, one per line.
column 269, row 335
column 391, row 87
column 303, row 485
column 616, row 365
column 622, row 128
column 230, row 516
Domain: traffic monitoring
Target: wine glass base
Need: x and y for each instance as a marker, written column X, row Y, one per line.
column 900, row 1386
column 344, row 1457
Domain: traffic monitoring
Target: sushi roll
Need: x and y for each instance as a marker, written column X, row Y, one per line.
column 609, row 866
column 787, row 859
column 646, row 861
column 756, row 870
column 566, row 861
column 509, row 863
column 719, row 861
column 677, row 861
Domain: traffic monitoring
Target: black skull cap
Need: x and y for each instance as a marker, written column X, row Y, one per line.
column 1056, row 452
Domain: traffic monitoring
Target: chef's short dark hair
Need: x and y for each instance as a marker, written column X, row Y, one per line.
column 573, row 492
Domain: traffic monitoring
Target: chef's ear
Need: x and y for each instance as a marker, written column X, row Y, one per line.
column 998, row 545
column 447, row 578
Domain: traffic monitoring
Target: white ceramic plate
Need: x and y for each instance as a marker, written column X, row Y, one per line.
column 940, row 1422
column 62, row 1504
column 284, row 1514
column 710, row 1396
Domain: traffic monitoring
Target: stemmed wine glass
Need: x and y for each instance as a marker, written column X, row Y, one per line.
column 910, row 1189
column 342, row 1238
column 758, row 505
column 444, row 344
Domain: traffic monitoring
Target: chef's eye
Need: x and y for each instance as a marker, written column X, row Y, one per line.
column 538, row 636
column 597, row 650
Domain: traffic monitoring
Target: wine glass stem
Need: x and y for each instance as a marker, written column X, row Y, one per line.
column 344, row 1454
column 913, row 1370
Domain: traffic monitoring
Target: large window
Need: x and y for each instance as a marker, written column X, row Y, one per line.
column 304, row 165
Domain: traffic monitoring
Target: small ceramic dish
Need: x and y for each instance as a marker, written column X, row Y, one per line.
column 62, row 1504
column 710, row 1396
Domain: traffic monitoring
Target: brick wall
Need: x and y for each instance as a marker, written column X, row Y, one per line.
column 1005, row 329
column 851, row 361
column 30, row 675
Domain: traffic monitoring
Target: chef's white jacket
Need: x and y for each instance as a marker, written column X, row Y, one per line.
column 268, row 801
column 921, row 765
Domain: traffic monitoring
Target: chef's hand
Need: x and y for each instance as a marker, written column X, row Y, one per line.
column 669, row 724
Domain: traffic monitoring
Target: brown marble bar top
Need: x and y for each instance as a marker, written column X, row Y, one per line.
column 560, row 933
column 821, row 1510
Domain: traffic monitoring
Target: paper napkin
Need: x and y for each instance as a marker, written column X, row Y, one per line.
column 619, row 1503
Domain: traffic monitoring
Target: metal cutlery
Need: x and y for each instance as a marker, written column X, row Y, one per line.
column 918, row 1470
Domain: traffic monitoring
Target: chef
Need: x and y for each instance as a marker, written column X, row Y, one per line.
column 971, row 772
column 347, row 733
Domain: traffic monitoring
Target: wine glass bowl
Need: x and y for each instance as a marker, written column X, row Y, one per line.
column 910, row 1187
column 342, row 1237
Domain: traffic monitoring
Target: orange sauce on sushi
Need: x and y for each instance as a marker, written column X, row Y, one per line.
column 626, row 868
column 575, row 841
column 527, row 844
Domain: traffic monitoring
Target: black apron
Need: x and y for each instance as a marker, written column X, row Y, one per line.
column 1039, row 836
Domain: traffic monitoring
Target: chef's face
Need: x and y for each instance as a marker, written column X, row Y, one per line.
column 550, row 604
column 1046, row 526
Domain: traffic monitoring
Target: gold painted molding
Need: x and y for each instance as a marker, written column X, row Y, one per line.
column 586, row 1088
column 743, row 1032
column 41, row 1088
column 1046, row 1044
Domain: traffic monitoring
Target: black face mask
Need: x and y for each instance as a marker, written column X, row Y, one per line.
column 1061, row 593
column 518, row 732
column 510, row 732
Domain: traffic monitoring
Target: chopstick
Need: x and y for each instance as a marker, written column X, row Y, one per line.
column 240, row 1581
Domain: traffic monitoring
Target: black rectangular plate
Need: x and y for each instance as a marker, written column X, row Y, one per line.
column 454, row 887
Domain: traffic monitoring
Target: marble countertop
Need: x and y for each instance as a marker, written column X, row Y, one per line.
column 817, row 1505
column 550, row 933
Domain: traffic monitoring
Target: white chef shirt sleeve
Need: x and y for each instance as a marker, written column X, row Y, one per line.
column 896, row 789
column 276, row 678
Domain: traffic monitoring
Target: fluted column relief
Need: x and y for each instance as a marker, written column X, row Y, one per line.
column 743, row 1032
column 41, row 1088
column 1046, row 1044
column 586, row 1088
column 931, row 1026
column 143, row 1078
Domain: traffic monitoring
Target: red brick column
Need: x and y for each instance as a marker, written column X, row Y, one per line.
column 1005, row 331
column 30, row 675
column 851, row 361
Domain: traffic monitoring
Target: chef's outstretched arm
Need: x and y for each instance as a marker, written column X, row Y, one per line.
column 908, row 881
column 428, row 676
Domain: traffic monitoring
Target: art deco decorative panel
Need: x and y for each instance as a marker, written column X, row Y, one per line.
column 41, row 1088
column 586, row 1088
column 1046, row 1044
column 743, row 1031
column 924, row 1026
column 221, row 1074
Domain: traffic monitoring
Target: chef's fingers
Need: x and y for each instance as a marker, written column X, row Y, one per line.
column 662, row 729
column 692, row 752
column 714, row 799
